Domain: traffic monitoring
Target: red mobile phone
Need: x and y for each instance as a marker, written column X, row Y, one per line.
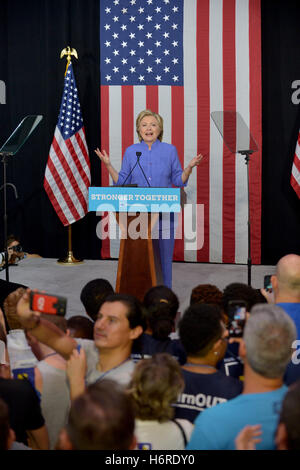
column 48, row 303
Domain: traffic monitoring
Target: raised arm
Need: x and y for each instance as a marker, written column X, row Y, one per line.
column 76, row 371
column 2, row 322
column 248, row 437
column 106, row 162
column 188, row 170
column 43, row 330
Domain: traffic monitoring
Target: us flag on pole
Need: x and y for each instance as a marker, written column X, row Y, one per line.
column 295, row 176
column 68, row 176
column 185, row 59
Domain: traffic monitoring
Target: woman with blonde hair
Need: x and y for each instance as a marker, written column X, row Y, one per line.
column 152, row 163
column 154, row 387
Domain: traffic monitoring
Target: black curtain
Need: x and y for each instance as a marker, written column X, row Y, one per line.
column 32, row 35
column 280, row 126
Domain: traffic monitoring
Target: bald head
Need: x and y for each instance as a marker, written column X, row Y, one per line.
column 287, row 279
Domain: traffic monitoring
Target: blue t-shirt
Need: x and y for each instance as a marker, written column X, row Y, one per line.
column 293, row 310
column 147, row 346
column 232, row 365
column 217, row 427
column 292, row 373
column 161, row 166
column 203, row 391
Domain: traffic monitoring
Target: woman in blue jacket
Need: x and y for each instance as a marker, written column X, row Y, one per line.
column 159, row 166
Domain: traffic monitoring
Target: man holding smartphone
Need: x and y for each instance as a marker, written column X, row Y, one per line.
column 119, row 322
column 285, row 292
column 286, row 287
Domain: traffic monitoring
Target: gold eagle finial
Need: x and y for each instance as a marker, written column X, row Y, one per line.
column 68, row 51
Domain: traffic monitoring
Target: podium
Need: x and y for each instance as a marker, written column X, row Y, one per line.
column 137, row 213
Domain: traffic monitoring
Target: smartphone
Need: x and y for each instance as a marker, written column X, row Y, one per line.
column 237, row 310
column 47, row 303
column 268, row 283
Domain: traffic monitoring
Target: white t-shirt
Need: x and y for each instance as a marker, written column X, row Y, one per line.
column 152, row 435
column 121, row 374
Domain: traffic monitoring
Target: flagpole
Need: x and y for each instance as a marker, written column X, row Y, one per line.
column 69, row 259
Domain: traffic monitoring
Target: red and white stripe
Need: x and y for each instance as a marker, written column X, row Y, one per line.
column 222, row 71
column 68, row 177
column 295, row 176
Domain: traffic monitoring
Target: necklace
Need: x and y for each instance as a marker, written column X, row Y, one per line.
column 51, row 354
column 110, row 370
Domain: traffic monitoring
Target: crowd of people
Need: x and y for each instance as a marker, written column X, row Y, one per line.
column 131, row 375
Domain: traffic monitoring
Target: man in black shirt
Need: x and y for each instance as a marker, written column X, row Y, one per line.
column 204, row 338
column 24, row 413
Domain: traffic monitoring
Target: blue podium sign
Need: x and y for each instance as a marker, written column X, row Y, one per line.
column 128, row 199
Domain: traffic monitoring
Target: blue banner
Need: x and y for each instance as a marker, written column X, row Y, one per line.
column 124, row 199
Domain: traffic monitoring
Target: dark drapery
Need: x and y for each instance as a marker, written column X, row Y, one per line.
column 280, row 125
column 33, row 33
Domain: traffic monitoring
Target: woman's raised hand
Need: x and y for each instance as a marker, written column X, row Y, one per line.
column 196, row 160
column 103, row 156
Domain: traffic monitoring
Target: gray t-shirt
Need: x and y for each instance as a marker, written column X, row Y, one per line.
column 121, row 374
column 19, row 446
column 55, row 399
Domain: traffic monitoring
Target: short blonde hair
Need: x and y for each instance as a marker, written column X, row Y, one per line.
column 148, row 112
column 155, row 385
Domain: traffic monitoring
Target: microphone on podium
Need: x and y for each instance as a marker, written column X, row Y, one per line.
column 138, row 156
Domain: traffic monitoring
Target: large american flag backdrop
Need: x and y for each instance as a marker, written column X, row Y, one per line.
column 185, row 59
